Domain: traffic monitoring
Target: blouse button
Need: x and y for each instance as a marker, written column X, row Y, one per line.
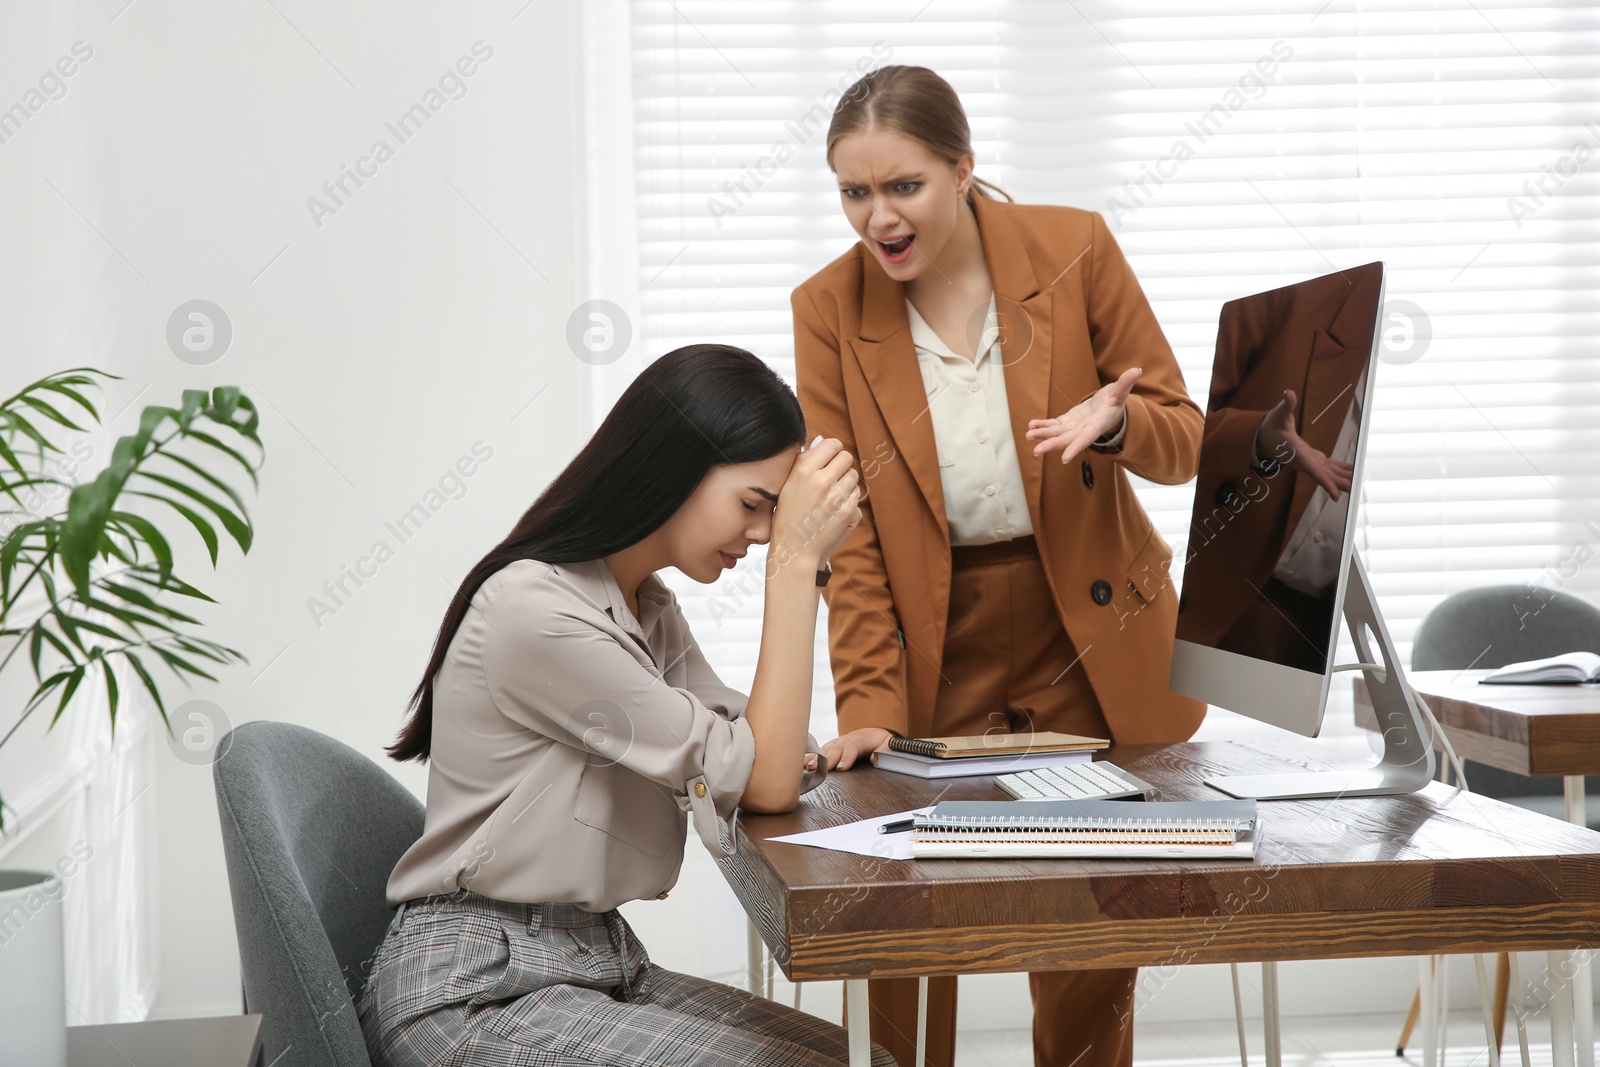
column 988, row 490
column 972, row 387
column 699, row 789
column 983, row 438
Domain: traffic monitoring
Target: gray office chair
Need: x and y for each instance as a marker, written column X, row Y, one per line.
column 1491, row 627
column 310, row 830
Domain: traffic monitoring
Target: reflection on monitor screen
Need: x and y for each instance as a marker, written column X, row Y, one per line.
column 1280, row 461
column 1272, row 501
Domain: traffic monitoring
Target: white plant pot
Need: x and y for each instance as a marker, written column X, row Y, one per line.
column 33, row 1006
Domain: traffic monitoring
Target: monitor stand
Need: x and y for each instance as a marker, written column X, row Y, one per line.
column 1407, row 763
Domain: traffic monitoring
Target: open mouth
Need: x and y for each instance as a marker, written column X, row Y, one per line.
column 897, row 250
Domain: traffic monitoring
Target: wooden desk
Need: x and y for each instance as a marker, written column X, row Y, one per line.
column 1535, row 730
column 1431, row 872
column 215, row 1041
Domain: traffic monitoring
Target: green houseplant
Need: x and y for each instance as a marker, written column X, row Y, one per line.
column 105, row 584
column 106, row 572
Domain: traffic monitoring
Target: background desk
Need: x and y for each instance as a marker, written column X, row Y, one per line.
column 1432, row 872
column 1535, row 730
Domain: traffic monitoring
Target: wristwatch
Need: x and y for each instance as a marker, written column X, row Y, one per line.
column 823, row 574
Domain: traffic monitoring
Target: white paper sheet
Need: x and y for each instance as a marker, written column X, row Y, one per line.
column 861, row 838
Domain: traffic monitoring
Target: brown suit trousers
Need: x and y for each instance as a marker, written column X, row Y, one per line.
column 1009, row 666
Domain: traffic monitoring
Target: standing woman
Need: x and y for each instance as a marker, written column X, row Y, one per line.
column 999, row 372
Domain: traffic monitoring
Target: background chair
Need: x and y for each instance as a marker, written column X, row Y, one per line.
column 1491, row 627
column 310, row 830
column 1500, row 624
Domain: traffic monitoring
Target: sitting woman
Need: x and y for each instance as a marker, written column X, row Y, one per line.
column 570, row 719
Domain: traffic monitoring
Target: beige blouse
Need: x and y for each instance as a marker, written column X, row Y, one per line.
column 984, row 499
column 568, row 740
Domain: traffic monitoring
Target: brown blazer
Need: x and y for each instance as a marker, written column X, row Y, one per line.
column 1073, row 318
column 1314, row 338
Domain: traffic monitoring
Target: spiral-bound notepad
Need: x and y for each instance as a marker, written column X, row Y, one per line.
column 1216, row 829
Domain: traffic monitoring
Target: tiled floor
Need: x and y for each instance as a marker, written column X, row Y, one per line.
column 1337, row 1041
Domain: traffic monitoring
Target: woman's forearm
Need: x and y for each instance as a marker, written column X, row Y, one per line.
column 779, row 708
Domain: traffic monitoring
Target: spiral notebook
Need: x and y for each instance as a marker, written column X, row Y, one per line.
column 1097, row 829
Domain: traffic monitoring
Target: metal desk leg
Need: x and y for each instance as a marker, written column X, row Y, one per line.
column 755, row 968
column 922, row 1021
column 1582, row 980
column 1269, row 1014
column 1238, row 1015
column 856, row 1007
column 1486, row 1004
column 1556, row 964
column 1517, row 1008
column 1427, row 973
column 1583, row 1009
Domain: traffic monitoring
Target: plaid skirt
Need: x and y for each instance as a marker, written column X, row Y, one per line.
column 467, row 981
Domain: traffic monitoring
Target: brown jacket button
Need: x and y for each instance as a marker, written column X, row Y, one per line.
column 1088, row 475
column 1101, row 591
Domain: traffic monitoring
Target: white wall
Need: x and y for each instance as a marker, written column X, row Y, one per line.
column 424, row 315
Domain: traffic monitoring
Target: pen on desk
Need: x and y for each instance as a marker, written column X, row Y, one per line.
column 897, row 827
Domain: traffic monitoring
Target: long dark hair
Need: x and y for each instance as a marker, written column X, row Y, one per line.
column 695, row 408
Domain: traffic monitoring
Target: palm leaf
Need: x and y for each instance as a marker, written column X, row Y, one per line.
column 122, row 609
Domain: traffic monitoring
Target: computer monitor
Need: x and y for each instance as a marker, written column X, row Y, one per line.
column 1269, row 571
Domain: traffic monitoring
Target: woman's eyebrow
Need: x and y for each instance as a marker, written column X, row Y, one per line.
column 770, row 496
column 915, row 177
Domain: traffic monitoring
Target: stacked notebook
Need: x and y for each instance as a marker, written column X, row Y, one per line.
column 1206, row 829
column 955, row 757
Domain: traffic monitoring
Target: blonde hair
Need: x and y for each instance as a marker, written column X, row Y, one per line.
column 913, row 101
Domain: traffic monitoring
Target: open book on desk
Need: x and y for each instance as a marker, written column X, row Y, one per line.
column 957, row 757
column 1096, row 829
column 1569, row 668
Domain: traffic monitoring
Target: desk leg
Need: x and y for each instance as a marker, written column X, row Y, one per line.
column 1486, row 1003
column 922, row 1021
column 1556, row 964
column 860, row 1013
column 1269, row 1014
column 1582, row 979
column 755, row 968
column 1238, row 1016
column 1428, row 999
column 1517, row 1008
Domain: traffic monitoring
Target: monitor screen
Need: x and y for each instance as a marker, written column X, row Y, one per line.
column 1268, row 548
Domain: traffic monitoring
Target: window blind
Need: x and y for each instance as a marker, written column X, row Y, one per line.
column 1231, row 152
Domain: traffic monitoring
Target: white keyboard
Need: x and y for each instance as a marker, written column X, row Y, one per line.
column 1077, row 781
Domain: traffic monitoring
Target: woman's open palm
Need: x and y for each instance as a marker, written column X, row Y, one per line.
column 1079, row 428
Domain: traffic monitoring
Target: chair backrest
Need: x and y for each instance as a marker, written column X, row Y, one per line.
column 1501, row 624
column 311, row 830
